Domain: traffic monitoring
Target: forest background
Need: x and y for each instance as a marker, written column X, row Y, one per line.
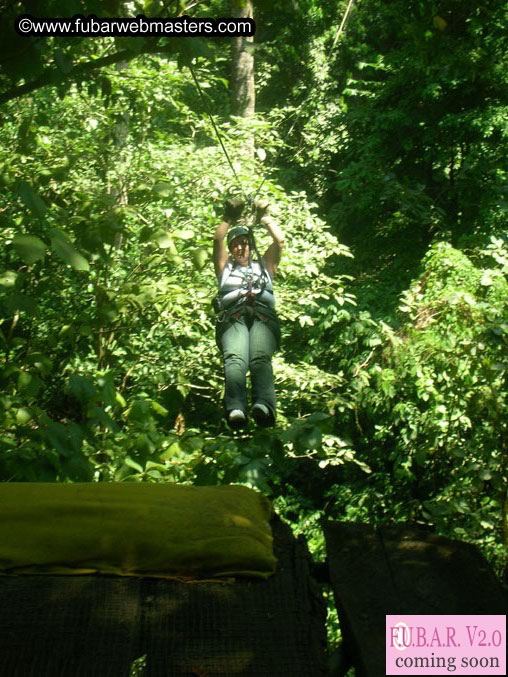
column 384, row 154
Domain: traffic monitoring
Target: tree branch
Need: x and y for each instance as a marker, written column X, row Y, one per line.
column 54, row 76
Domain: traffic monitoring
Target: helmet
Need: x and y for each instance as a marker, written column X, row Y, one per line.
column 235, row 232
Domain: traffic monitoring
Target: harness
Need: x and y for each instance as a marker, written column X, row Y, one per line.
column 247, row 299
column 250, row 312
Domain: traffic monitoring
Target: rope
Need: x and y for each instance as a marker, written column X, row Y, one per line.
column 250, row 199
column 337, row 36
column 343, row 23
column 216, row 129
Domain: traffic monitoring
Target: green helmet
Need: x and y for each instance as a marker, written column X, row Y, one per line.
column 235, row 232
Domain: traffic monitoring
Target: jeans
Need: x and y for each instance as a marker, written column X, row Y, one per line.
column 248, row 343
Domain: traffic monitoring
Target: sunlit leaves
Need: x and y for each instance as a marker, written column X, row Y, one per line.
column 184, row 234
column 163, row 189
column 8, row 278
column 200, row 258
column 108, row 332
column 165, row 241
column 437, row 400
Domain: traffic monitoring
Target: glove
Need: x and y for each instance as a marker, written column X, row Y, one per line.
column 262, row 207
column 233, row 209
column 266, row 220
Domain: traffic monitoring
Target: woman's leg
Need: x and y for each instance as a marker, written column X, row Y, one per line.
column 262, row 346
column 235, row 351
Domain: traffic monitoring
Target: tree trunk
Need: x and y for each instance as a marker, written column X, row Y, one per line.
column 242, row 70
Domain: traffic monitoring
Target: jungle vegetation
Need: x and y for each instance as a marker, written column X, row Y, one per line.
column 384, row 155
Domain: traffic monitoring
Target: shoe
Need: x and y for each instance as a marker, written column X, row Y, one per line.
column 262, row 415
column 236, row 418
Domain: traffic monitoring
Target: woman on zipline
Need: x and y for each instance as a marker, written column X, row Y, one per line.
column 247, row 330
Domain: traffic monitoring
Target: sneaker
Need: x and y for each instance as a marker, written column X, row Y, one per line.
column 262, row 415
column 236, row 418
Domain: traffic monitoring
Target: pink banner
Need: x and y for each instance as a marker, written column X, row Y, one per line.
column 444, row 644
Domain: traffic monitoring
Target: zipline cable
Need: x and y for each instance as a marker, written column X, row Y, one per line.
column 198, row 87
column 250, row 199
column 337, row 36
column 342, row 24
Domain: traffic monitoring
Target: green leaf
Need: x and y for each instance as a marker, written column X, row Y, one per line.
column 41, row 362
column 64, row 249
column 29, row 384
column 200, row 258
column 106, row 87
column 98, row 416
column 82, row 388
column 63, row 62
column 30, row 198
column 146, row 234
column 163, row 189
column 150, row 465
column 23, row 415
column 487, row 278
column 132, row 464
column 8, row 278
column 254, row 473
column 108, row 391
column 58, row 437
column 318, row 417
column 184, row 234
column 158, row 408
column 77, row 468
column 261, row 153
column 108, row 312
column 164, row 241
column 139, row 411
column 75, row 436
column 309, row 439
column 22, row 302
column 29, row 248
column 120, row 400
column 306, row 319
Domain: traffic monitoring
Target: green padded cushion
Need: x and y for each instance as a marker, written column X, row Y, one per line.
column 135, row 529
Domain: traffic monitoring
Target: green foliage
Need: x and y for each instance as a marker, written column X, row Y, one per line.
column 431, row 402
column 31, row 62
column 400, row 132
column 424, row 103
column 109, row 369
column 107, row 276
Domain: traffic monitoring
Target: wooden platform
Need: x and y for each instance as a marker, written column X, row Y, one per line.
column 96, row 626
column 401, row 570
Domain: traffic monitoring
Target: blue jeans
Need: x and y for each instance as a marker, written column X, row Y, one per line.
column 248, row 343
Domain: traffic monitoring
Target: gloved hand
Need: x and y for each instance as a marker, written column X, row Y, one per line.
column 262, row 207
column 233, row 209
